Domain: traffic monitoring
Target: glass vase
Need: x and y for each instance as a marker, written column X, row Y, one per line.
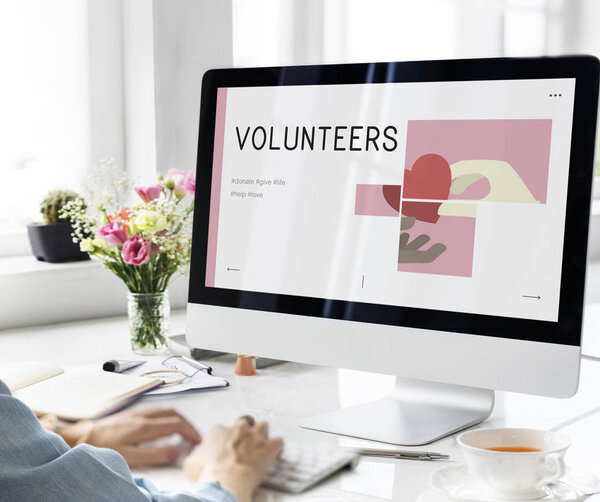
column 149, row 321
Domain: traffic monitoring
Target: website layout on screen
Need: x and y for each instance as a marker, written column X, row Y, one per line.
column 440, row 195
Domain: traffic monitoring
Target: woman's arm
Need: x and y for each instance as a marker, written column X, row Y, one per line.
column 37, row 465
column 128, row 432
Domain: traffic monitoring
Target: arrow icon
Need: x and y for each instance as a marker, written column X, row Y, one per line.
column 529, row 296
column 233, row 269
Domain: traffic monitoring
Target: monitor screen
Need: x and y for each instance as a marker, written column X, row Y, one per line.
column 438, row 204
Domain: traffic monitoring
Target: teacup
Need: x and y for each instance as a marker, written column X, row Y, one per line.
column 514, row 464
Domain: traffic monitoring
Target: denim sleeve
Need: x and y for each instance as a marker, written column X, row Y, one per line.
column 37, row 465
column 210, row 491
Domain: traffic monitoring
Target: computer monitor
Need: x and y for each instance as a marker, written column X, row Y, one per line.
column 422, row 219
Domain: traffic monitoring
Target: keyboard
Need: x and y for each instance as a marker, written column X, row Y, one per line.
column 300, row 466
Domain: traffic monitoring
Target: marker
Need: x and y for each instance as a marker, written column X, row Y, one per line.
column 117, row 365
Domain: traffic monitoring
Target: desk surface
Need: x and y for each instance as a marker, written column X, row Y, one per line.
column 286, row 393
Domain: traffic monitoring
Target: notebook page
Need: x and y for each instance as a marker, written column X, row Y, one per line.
column 21, row 374
column 81, row 394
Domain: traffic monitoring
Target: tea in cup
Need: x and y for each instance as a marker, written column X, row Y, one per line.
column 514, row 464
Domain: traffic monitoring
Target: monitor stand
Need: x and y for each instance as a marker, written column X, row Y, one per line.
column 417, row 412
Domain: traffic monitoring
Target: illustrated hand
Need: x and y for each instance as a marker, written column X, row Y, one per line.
column 125, row 431
column 239, row 457
column 411, row 252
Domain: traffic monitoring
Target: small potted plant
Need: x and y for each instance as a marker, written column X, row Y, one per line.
column 52, row 241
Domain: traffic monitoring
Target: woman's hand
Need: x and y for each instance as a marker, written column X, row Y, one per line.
column 239, row 457
column 125, row 431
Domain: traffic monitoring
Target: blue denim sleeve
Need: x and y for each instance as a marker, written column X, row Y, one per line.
column 37, row 465
column 210, row 491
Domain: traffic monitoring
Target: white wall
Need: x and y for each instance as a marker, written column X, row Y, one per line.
column 167, row 47
column 105, row 46
column 573, row 27
column 138, row 89
column 190, row 37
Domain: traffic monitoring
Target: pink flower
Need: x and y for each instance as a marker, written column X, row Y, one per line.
column 188, row 182
column 113, row 232
column 136, row 250
column 184, row 181
column 176, row 174
column 149, row 193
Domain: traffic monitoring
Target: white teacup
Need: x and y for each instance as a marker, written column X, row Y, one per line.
column 514, row 475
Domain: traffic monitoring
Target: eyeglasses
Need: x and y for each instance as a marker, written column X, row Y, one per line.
column 176, row 364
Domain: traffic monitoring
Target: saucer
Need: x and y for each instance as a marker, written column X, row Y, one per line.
column 452, row 483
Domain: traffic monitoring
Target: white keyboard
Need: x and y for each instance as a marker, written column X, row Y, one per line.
column 299, row 467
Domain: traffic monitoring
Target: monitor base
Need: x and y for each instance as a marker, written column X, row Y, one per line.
column 417, row 412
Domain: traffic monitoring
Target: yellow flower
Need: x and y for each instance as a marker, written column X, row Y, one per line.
column 90, row 245
column 99, row 243
column 150, row 221
column 87, row 245
column 133, row 229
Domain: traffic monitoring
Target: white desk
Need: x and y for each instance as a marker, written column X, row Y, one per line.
column 285, row 393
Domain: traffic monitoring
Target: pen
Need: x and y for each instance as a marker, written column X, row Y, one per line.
column 197, row 364
column 117, row 365
column 404, row 454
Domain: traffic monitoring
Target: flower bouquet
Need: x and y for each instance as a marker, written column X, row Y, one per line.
column 145, row 244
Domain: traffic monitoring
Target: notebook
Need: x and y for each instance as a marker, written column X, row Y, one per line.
column 75, row 394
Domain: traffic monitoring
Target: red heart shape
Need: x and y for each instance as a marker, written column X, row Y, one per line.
column 430, row 178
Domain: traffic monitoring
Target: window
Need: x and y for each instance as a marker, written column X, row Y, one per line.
column 44, row 99
column 392, row 30
column 261, row 32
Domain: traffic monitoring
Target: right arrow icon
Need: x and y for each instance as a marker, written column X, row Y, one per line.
column 530, row 296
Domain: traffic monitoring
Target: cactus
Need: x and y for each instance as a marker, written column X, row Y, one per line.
column 54, row 202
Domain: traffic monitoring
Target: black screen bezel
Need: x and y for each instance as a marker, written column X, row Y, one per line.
column 566, row 331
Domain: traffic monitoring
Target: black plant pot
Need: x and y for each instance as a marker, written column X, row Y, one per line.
column 53, row 243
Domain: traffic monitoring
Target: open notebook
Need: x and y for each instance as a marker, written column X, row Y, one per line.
column 74, row 395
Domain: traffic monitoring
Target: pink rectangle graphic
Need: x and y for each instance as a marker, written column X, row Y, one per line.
column 523, row 143
column 377, row 200
column 457, row 236
column 215, row 189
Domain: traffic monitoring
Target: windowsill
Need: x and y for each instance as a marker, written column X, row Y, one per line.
column 14, row 242
column 35, row 292
column 29, row 265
